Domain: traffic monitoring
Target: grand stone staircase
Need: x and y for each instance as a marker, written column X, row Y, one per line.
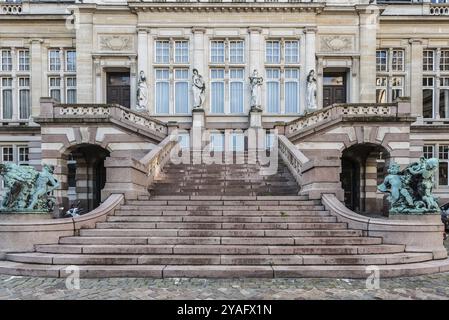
column 220, row 221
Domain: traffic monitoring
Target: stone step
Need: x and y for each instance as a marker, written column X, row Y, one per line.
column 222, row 202
column 247, row 259
column 224, row 240
column 223, row 225
column 272, row 213
column 216, row 219
column 228, row 271
column 145, row 207
column 217, row 233
column 333, row 250
column 221, row 197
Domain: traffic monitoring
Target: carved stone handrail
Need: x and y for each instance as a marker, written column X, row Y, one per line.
column 88, row 113
column 292, row 157
column 155, row 160
column 337, row 111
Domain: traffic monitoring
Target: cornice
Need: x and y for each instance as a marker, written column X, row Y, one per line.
column 225, row 7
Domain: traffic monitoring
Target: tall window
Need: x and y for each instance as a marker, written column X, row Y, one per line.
column 443, row 168
column 23, row 155
column 436, row 84
column 54, row 60
column 237, row 51
column 217, row 142
column 162, row 91
column 6, row 60
column 162, row 51
column 440, row 151
column 7, row 107
column 24, row 60
column 217, row 92
column 24, row 98
column 390, row 74
column 237, row 81
column 70, row 60
column 217, row 51
column 8, row 154
column 273, row 52
column 181, row 52
column 282, row 76
column 381, row 60
column 291, row 90
column 291, row 51
column 428, row 60
column 182, row 91
column 273, row 92
column 54, row 87
column 227, row 76
column 71, row 89
column 237, row 142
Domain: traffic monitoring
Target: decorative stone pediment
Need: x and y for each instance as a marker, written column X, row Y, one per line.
column 116, row 42
column 336, row 43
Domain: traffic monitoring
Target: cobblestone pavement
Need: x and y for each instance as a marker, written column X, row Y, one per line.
column 434, row 286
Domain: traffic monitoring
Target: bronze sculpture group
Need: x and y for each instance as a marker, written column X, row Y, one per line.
column 28, row 190
column 410, row 190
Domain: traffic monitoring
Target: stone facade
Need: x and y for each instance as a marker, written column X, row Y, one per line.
column 382, row 52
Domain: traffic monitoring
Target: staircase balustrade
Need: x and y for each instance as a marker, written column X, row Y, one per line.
column 292, row 157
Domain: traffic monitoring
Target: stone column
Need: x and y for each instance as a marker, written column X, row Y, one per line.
column 84, row 65
column 416, row 69
column 310, row 64
column 133, row 72
column 142, row 54
column 199, row 59
column 36, row 75
column 255, row 58
column 368, row 25
column 98, row 83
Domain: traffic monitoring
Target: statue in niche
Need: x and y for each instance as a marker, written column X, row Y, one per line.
column 410, row 190
column 255, row 82
column 142, row 92
column 28, row 190
column 199, row 89
column 311, row 91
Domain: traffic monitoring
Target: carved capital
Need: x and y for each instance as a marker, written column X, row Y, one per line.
column 198, row 30
column 310, row 30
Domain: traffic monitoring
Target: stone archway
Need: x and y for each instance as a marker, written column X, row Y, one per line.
column 86, row 174
column 363, row 167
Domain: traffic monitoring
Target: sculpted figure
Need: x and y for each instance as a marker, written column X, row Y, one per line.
column 198, row 88
column 311, row 90
column 142, row 92
column 255, row 82
column 26, row 188
column 44, row 185
column 410, row 190
column 394, row 185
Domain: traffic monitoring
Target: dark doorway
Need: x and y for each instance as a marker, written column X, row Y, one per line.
column 363, row 168
column 87, row 174
column 118, row 88
column 350, row 173
column 334, row 88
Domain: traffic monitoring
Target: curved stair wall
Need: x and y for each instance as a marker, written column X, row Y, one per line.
column 23, row 235
column 418, row 233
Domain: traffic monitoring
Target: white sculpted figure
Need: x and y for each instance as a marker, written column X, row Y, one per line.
column 311, row 90
column 255, row 81
column 142, row 92
column 198, row 88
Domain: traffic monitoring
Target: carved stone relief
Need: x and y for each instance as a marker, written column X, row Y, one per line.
column 336, row 43
column 116, row 42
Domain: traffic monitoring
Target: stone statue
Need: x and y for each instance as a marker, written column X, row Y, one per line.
column 311, row 90
column 142, row 92
column 255, row 82
column 28, row 190
column 199, row 89
column 410, row 190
